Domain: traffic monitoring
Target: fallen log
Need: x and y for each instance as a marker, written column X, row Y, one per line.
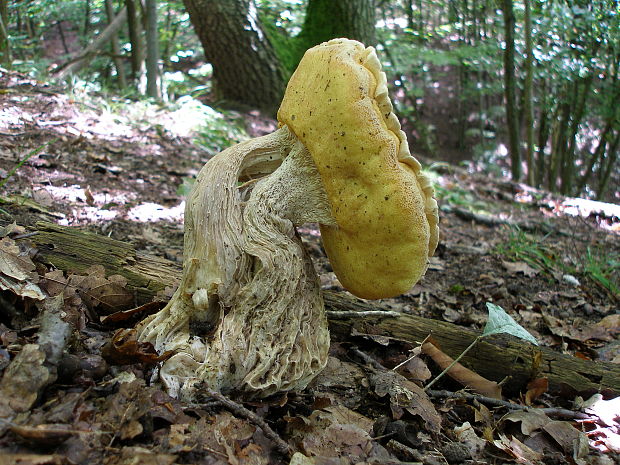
column 499, row 358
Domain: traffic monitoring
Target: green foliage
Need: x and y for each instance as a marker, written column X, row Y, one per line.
column 454, row 194
column 220, row 132
column 500, row 322
column 282, row 21
column 28, row 156
column 597, row 265
column 603, row 268
column 523, row 247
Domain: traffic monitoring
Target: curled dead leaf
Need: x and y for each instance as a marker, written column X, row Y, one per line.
column 125, row 349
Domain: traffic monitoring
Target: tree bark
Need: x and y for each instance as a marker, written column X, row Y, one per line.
column 510, row 90
column 245, row 65
column 116, row 48
column 528, row 120
column 153, row 79
column 496, row 358
column 135, row 38
column 326, row 19
column 5, row 46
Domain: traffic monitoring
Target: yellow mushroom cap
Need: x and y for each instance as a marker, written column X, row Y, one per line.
column 336, row 103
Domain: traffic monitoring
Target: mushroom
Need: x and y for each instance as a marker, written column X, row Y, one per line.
column 248, row 315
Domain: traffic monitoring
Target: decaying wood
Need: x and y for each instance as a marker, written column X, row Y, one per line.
column 498, row 358
column 73, row 250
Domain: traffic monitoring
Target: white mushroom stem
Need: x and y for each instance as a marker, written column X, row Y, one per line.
column 248, row 314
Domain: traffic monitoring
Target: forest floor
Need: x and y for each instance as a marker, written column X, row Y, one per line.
column 552, row 263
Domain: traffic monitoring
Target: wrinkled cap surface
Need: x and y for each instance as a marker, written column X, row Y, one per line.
column 336, row 103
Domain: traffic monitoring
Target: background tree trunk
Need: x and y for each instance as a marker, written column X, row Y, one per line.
column 5, row 46
column 528, row 113
column 326, row 19
column 153, row 79
column 245, row 65
column 135, row 38
column 510, row 90
column 116, row 48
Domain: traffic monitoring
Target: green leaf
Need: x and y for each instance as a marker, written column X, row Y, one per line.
column 500, row 322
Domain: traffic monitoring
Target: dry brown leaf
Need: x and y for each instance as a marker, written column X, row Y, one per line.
column 32, row 459
column 44, row 434
column 568, row 437
column 604, row 330
column 226, row 437
column 519, row 451
column 531, row 420
column 17, row 273
column 106, row 295
column 406, row 395
column 22, row 380
column 461, row 374
column 536, row 388
column 125, row 349
column 138, row 313
column 324, row 434
column 520, row 267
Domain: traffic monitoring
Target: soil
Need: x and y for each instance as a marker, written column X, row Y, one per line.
column 552, row 263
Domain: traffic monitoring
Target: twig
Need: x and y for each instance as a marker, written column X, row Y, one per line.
column 25, row 235
column 413, row 356
column 551, row 411
column 368, row 359
column 345, row 314
column 243, row 412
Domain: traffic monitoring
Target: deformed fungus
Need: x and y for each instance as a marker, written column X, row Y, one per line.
column 248, row 315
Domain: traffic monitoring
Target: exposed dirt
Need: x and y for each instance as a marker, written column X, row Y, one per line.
column 117, row 173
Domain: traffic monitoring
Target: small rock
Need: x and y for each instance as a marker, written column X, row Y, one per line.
column 570, row 279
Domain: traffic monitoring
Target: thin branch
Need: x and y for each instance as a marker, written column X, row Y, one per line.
column 243, row 412
column 552, row 412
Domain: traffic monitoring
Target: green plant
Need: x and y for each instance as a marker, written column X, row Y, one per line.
column 28, row 156
column 603, row 268
column 598, row 266
column 520, row 246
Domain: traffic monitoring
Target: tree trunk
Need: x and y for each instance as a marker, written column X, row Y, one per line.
column 612, row 158
column 496, row 358
column 510, row 90
column 245, row 65
column 326, row 19
column 86, row 18
column 528, row 112
column 116, row 48
column 153, row 79
column 558, row 146
column 5, row 46
column 597, row 157
column 135, row 38
column 568, row 170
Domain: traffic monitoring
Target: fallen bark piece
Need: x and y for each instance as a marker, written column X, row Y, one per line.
column 495, row 357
